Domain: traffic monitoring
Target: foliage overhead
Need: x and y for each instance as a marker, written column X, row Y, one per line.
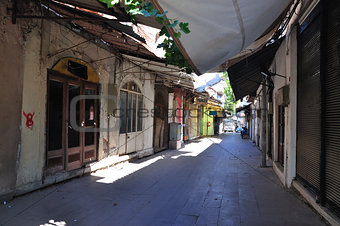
column 173, row 55
column 230, row 103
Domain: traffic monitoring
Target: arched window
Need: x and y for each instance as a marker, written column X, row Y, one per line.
column 131, row 106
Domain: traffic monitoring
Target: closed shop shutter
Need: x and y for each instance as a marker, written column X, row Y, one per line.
column 309, row 103
column 332, row 108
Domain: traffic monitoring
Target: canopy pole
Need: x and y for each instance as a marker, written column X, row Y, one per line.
column 264, row 121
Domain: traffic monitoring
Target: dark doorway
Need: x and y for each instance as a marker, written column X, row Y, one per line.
column 216, row 125
column 281, row 135
column 160, row 138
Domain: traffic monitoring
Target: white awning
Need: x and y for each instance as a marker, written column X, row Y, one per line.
column 220, row 29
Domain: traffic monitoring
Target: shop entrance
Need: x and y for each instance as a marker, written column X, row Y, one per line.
column 281, row 135
column 71, row 135
column 160, row 132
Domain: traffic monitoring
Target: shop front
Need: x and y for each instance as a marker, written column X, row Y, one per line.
column 72, row 111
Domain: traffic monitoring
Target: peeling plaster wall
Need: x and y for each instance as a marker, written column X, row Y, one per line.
column 11, row 76
column 32, row 154
column 53, row 39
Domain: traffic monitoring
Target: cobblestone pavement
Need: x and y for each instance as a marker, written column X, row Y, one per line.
column 212, row 181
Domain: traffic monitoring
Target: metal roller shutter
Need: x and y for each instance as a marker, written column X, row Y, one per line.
column 332, row 107
column 309, row 103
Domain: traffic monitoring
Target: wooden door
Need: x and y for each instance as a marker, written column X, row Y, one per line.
column 90, row 122
column 74, row 136
column 71, row 130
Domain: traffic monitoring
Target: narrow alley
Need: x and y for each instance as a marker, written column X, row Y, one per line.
column 211, row 181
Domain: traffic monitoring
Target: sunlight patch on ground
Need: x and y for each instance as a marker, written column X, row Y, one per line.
column 122, row 170
column 194, row 149
column 54, row 223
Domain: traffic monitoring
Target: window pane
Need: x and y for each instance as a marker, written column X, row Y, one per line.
column 129, row 113
column 134, row 112
column 131, row 86
column 74, row 135
column 90, row 117
column 55, row 115
column 89, row 108
column 122, row 112
column 140, row 113
column 89, row 138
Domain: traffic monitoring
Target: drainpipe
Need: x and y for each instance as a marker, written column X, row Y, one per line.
column 264, row 120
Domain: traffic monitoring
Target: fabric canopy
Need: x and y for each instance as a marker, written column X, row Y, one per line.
column 246, row 107
column 245, row 76
column 221, row 29
column 206, row 80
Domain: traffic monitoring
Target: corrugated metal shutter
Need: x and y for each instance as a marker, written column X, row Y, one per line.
column 332, row 108
column 309, row 104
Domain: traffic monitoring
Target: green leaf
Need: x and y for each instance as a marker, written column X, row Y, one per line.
column 173, row 55
column 110, row 3
column 177, row 34
column 164, row 31
column 162, row 45
column 148, row 5
column 184, row 27
column 114, row 2
column 173, row 24
column 160, row 20
column 145, row 13
column 162, row 15
column 188, row 70
column 135, row 12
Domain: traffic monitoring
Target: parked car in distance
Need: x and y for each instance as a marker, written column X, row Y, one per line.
column 238, row 130
column 229, row 127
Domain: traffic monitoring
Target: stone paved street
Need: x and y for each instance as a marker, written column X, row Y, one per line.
column 212, row 181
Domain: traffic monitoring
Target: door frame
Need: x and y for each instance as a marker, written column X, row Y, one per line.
column 59, row 153
column 94, row 146
column 64, row 151
column 129, row 138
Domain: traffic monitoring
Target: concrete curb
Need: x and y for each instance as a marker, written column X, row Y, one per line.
column 325, row 213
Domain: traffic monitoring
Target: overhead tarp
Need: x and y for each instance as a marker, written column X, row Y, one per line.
column 245, row 76
column 221, row 29
column 206, row 80
column 246, row 107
